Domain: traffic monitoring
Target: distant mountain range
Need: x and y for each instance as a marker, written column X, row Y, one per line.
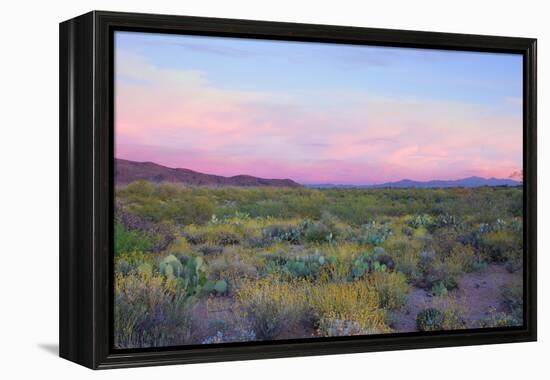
column 129, row 171
column 407, row 183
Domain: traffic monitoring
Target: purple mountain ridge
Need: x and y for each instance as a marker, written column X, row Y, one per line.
column 129, row 171
column 408, row 183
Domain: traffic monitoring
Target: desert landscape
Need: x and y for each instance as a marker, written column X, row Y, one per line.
column 281, row 190
column 201, row 259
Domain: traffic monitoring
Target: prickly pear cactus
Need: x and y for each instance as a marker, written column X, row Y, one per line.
column 220, row 287
column 171, row 267
column 361, row 265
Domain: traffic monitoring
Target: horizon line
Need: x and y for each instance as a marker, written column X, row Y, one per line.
column 326, row 183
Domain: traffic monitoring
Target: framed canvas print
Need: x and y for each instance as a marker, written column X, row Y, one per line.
column 236, row 189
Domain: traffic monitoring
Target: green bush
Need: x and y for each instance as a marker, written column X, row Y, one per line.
column 499, row 320
column 391, row 288
column 430, row 320
column 150, row 312
column 278, row 233
column 436, row 270
column 512, row 295
column 318, row 232
column 131, row 241
column 439, row 289
column 501, row 246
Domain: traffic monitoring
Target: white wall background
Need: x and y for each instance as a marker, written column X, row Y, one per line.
column 29, row 190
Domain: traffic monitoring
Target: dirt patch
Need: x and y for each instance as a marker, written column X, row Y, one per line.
column 208, row 310
column 479, row 292
column 482, row 291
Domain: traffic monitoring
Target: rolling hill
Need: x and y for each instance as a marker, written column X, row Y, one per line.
column 129, row 171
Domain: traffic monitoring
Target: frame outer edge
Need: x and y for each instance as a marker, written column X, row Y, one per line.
column 85, row 171
column 531, row 126
column 76, row 330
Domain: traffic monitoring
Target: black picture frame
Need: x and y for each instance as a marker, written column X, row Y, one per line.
column 86, row 187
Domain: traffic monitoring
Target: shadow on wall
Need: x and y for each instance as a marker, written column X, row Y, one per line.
column 52, row 348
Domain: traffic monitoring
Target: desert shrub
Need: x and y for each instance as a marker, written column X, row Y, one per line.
column 180, row 247
column 197, row 210
column 150, row 312
column 131, row 241
column 383, row 259
column 471, row 237
column 514, row 265
column 140, row 189
column 465, row 257
column 223, row 234
column 372, row 234
column 426, row 260
column 390, row 287
column 512, row 295
column 279, row 233
column 444, row 240
column 439, row 289
column 302, row 268
column 429, row 320
column 444, row 272
column 352, row 208
column 271, row 305
column 227, row 238
column 443, row 220
column 167, row 190
column 264, row 208
column 226, row 337
column 134, row 262
column 318, row 232
column 167, row 202
column 123, row 267
column 338, row 327
column 232, row 269
column 454, row 312
column 161, row 235
column 436, row 271
column 419, row 221
column 500, row 246
column 405, row 254
column 335, row 269
column 210, row 249
column 307, row 205
column 499, row 319
column 356, row 302
column 407, row 231
column 181, row 210
column 408, row 265
column 194, row 237
column 445, row 314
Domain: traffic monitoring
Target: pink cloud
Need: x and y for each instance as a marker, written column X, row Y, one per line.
column 179, row 119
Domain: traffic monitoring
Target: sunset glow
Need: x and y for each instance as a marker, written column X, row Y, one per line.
column 316, row 113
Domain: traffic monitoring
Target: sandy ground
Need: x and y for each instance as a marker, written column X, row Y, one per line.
column 478, row 292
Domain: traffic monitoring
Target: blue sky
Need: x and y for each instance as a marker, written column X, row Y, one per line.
column 250, row 64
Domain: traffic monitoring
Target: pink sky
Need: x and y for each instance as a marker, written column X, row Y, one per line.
column 178, row 118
